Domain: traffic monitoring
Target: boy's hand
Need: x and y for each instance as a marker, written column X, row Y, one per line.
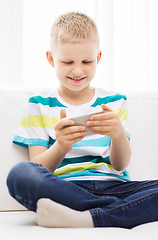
column 107, row 123
column 66, row 133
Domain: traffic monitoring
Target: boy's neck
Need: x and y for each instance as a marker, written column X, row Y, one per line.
column 77, row 98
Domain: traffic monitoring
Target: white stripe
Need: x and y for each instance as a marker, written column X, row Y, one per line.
column 39, row 110
column 95, row 136
column 117, row 104
column 105, row 169
column 35, row 132
column 85, row 151
column 101, row 178
column 125, row 125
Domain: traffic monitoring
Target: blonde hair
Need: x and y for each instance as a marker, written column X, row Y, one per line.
column 73, row 27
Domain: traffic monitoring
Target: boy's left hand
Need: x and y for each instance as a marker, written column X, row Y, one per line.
column 107, row 123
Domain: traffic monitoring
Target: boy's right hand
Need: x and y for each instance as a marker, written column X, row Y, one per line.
column 67, row 133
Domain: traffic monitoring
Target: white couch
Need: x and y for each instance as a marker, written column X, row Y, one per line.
column 17, row 223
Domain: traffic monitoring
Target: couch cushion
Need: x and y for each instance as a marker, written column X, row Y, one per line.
column 13, row 105
column 143, row 124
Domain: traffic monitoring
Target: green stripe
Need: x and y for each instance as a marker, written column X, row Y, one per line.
column 94, row 172
column 80, row 167
column 51, row 102
column 43, row 121
column 123, row 114
column 108, row 99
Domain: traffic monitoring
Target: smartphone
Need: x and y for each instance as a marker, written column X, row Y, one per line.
column 82, row 120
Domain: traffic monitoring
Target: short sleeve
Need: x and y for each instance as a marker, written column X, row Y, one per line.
column 123, row 115
column 32, row 130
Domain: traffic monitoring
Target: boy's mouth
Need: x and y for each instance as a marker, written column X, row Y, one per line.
column 76, row 80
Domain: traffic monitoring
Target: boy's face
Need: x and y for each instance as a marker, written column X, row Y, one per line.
column 75, row 64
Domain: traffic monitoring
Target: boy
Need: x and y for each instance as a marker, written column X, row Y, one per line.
column 75, row 180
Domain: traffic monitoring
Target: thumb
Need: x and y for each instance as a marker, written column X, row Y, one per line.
column 62, row 114
column 105, row 107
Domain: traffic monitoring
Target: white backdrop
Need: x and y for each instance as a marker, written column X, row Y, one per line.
column 128, row 31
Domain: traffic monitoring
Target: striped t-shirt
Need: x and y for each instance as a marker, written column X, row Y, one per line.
column 89, row 158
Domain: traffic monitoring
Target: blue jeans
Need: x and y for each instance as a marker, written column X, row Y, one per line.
column 111, row 203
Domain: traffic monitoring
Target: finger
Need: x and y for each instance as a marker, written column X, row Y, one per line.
column 105, row 107
column 63, row 123
column 74, row 136
column 78, row 139
column 74, row 129
column 62, row 113
column 100, row 123
column 102, row 116
column 101, row 130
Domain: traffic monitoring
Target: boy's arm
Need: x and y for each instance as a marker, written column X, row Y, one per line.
column 48, row 157
column 120, row 152
column 109, row 124
column 66, row 135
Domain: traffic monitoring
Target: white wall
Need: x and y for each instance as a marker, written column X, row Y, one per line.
column 11, row 42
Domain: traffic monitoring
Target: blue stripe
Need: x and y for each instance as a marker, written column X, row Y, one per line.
column 128, row 135
column 51, row 102
column 108, row 99
column 93, row 159
column 94, row 172
column 24, row 142
column 99, row 142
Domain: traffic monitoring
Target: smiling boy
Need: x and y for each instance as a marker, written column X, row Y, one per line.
column 74, row 180
column 75, row 64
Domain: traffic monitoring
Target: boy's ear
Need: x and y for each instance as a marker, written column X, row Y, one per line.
column 50, row 58
column 99, row 56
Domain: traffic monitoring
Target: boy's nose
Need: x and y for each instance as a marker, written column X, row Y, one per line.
column 77, row 71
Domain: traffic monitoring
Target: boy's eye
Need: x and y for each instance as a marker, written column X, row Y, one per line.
column 86, row 62
column 71, row 62
column 68, row 62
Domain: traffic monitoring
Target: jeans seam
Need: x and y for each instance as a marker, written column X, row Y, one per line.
column 138, row 201
column 132, row 188
column 92, row 193
column 94, row 186
column 95, row 214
